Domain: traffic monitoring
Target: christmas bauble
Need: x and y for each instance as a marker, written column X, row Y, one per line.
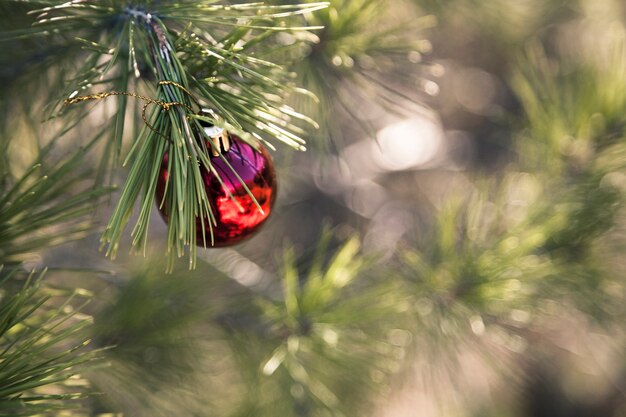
column 236, row 214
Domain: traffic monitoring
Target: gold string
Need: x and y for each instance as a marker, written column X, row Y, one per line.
column 163, row 104
column 182, row 88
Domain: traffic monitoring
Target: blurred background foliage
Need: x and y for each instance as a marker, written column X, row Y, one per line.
column 451, row 244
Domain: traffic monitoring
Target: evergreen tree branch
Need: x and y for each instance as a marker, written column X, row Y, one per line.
column 174, row 42
column 362, row 49
column 311, row 353
column 32, row 205
column 41, row 351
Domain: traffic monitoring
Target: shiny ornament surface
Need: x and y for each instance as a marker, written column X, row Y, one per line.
column 237, row 217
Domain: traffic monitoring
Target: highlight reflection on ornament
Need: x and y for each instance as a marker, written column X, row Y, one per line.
column 237, row 216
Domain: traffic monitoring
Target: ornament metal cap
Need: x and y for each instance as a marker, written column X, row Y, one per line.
column 220, row 139
column 219, row 136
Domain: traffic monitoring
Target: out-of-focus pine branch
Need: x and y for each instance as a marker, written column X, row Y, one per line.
column 37, row 209
column 362, row 60
column 42, row 350
column 312, row 355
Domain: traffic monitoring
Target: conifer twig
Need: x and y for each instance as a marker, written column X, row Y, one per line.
column 209, row 49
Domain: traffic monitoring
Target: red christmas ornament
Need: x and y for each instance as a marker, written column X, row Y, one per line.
column 237, row 217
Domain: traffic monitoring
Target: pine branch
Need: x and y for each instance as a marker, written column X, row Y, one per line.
column 576, row 107
column 357, row 58
column 311, row 354
column 174, row 42
column 41, row 352
column 33, row 205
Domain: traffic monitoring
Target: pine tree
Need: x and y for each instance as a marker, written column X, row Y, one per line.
column 448, row 237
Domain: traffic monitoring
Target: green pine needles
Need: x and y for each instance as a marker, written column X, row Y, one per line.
column 209, row 55
column 33, row 204
column 361, row 45
column 315, row 356
column 41, row 350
